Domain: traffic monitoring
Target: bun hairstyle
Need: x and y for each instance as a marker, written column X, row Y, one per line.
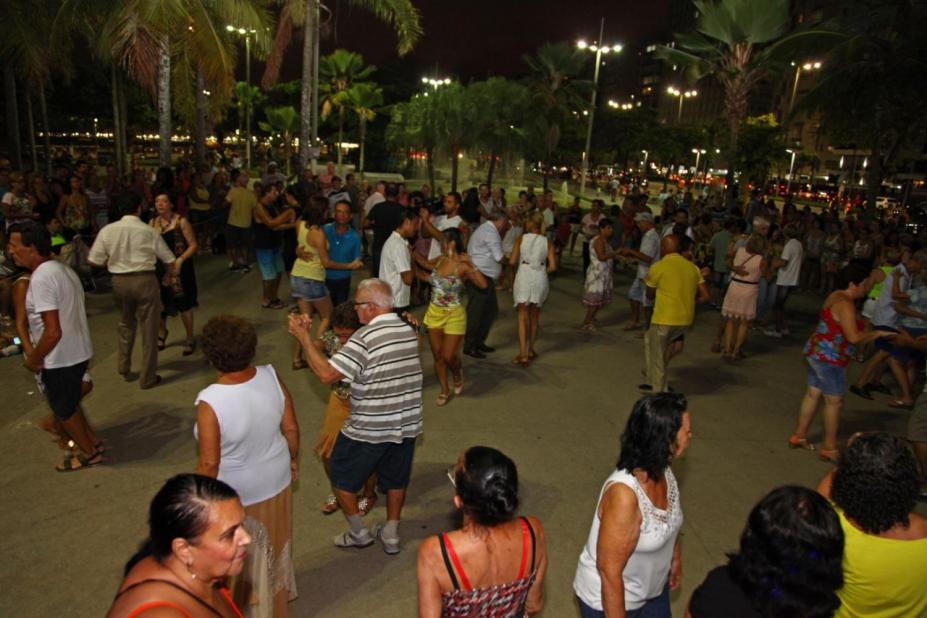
column 487, row 484
column 180, row 510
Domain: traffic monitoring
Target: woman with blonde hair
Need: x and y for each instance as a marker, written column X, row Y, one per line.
column 534, row 256
column 739, row 306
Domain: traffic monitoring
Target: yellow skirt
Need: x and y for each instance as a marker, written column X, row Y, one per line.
column 452, row 320
column 336, row 414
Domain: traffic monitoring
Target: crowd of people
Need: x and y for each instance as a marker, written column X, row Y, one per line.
column 221, row 539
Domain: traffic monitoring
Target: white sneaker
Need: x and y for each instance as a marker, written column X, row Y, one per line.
column 771, row 332
column 390, row 546
column 349, row 539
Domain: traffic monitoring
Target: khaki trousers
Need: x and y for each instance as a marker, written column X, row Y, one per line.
column 656, row 341
column 138, row 297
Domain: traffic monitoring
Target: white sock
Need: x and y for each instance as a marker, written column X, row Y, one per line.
column 391, row 529
column 357, row 524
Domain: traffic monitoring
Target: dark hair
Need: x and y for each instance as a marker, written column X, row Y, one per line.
column 648, row 439
column 270, row 187
column 876, row 482
column 345, row 316
column 129, row 204
column 314, row 212
column 455, row 195
column 33, row 234
column 180, row 510
column 406, row 214
column 349, row 177
column 229, row 342
column 605, row 222
column 790, row 557
column 685, row 243
column 345, row 202
column 851, row 273
column 487, row 484
column 453, row 235
column 739, row 225
column 391, row 190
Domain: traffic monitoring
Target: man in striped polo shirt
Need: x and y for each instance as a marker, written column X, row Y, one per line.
column 382, row 363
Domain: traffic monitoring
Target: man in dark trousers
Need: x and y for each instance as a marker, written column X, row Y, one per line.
column 383, row 219
column 485, row 249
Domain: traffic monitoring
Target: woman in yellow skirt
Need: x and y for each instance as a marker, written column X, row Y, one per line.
column 446, row 317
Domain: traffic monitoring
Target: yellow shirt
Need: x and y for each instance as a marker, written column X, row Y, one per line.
column 882, row 578
column 199, row 198
column 243, row 203
column 676, row 280
column 311, row 268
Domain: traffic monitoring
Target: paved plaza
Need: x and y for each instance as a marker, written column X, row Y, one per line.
column 69, row 535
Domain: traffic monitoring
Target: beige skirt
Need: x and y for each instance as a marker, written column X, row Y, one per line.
column 336, row 414
column 267, row 581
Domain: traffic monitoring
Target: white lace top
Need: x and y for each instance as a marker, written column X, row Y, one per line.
column 647, row 570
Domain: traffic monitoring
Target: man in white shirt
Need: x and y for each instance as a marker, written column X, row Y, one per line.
column 61, row 347
column 129, row 250
column 396, row 259
column 450, row 220
column 485, row 249
column 648, row 253
column 378, row 195
column 789, row 265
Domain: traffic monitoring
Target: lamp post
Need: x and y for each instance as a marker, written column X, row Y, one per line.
column 682, row 96
column 247, row 33
column 644, row 164
column 791, row 168
column 698, row 152
column 807, row 66
column 599, row 48
column 436, row 83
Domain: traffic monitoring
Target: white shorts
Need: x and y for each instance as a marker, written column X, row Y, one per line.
column 869, row 308
column 638, row 292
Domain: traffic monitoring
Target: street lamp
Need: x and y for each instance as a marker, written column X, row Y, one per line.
column 808, row 67
column 646, row 154
column 620, row 106
column 599, row 49
column 682, row 96
column 247, row 33
column 698, row 153
column 791, row 167
column 436, row 82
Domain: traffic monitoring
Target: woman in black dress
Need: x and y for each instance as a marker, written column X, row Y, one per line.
column 178, row 291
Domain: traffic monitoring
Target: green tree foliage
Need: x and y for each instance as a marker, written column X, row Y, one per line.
column 501, row 109
column 364, row 99
column 338, row 73
column 758, row 147
column 282, row 123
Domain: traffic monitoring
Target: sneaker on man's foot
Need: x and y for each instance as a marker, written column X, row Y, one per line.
column 349, row 539
column 772, row 332
column 390, row 546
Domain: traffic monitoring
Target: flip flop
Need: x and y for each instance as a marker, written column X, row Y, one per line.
column 162, row 341
column 189, row 348
column 458, row 384
column 85, row 462
column 897, row 403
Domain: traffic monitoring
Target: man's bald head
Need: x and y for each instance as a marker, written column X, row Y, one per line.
column 669, row 244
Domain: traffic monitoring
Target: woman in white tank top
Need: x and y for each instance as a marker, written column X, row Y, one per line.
column 637, row 518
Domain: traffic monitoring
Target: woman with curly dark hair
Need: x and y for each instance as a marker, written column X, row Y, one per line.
column 874, row 489
column 788, row 564
column 248, row 437
column 632, row 559
column 494, row 565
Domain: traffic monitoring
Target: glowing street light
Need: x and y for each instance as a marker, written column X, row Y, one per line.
column 247, row 33
column 698, row 152
column 682, row 95
column 436, row 82
column 622, row 106
column 599, row 48
column 807, row 67
column 791, row 167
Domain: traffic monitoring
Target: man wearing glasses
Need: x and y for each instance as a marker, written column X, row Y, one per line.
column 382, row 363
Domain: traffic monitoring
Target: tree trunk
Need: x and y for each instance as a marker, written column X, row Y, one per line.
column 199, row 139
column 734, row 130
column 30, row 122
column 12, row 117
column 118, row 121
column 340, row 139
column 455, row 160
column 123, row 134
column 363, row 138
column 164, row 102
column 316, row 36
column 46, row 136
column 430, row 153
column 492, row 168
column 305, row 94
column 874, row 174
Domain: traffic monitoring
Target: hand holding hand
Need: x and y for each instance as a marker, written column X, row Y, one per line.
column 298, row 325
column 357, row 264
column 424, row 214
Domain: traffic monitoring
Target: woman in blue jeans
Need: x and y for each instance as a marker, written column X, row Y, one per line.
column 632, row 558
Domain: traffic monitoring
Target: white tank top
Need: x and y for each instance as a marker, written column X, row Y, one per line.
column 254, row 457
column 647, row 570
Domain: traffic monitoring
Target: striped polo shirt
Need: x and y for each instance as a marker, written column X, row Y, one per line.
column 382, row 362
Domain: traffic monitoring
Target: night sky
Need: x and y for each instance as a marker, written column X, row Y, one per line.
column 481, row 38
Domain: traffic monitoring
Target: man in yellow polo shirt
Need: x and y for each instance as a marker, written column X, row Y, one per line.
column 242, row 202
column 674, row 281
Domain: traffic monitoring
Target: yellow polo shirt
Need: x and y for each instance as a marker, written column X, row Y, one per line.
column 676, row 280
column 243, row 202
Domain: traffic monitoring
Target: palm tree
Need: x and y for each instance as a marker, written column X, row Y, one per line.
column 282, row 121
column 364, row 99
column 338, row 73
column 144, row 36
column 414, row 126
column 556, row 91
column 500, row 109
column 400, row 15
column 737, row 42
column 454, row 113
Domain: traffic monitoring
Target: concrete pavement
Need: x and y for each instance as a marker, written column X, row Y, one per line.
column 69, row 535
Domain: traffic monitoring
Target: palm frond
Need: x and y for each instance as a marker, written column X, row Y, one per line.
column 401, row 16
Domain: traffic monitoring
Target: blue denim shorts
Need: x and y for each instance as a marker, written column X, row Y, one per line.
column 638, row 292
column 307, row 289
column 270, row 261
column 827, row 378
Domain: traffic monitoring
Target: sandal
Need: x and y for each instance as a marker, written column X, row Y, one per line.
column 458, row 381
column 900, row 404
column 443, row 398
column 796, row 442
column 83, row 462
column 829, row 455
column 520, row 360
column 365, row 504
column 189, row 348
column 274, row 304
column 330, row 506
column 299, row 364
column 162, row 341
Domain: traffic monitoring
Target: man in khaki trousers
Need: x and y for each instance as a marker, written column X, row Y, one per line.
column 129, row 249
